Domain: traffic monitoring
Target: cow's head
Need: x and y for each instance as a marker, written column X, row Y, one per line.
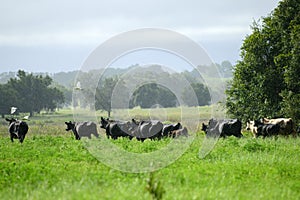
column 104, row 123
column 249, row 125
column 70, row 125
column 204, row 127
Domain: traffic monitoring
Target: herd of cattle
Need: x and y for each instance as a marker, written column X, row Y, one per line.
column 154, row 129
column 263, row 127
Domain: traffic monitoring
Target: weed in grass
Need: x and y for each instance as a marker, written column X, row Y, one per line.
column 154, row 187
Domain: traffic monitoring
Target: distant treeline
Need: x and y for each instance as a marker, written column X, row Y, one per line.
column 33, row 92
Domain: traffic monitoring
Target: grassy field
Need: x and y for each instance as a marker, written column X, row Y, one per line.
column 50, row 164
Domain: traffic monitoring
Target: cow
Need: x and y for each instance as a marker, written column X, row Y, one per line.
column 223, row 128
column 148, row 129
column 179, row 132
column 266, row 130
column 168, row 128
column 82, row 129
column 287, row 126
column 17, row 129
column 115, row 129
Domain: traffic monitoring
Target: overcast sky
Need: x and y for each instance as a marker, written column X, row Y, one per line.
column 52, row 36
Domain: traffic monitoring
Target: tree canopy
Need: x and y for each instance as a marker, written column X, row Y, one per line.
column 266, row 81
column 29, row 93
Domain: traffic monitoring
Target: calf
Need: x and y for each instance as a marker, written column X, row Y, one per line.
column 82, row 129
column 17, row 129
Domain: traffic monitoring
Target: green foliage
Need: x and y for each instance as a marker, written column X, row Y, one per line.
column 30, row 93
column 8, row 98
column 202, row 95
column 154, row 187
column 268, row 75
column 104, row 93
column 152, row 94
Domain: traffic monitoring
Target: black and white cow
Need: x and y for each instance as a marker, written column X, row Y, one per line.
column 115, row 129
column 266, row 130
column 168, row 128
column 82, row 129
column 17, row 129
column 223, row 128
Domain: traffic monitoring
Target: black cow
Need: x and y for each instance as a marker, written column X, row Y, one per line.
column 116, row 129
column 266, row 129
column 17, row 129
column 141, row 130
column 223, row 128
column 82, row 129
column 149, row 129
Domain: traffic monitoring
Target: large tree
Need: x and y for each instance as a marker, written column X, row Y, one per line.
column 152, row 94
column 104, row 94
column 201, row 92
column 8, row 99
column 266, row 79
column 34, row 93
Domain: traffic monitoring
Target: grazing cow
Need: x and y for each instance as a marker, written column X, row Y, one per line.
column 168, row 128
column 223, row 128
column 82, row 129
column 250, row 126
column 287, row 126
column 179, row 132
column 115, row 129
column 149, row 129
column 266, row 130
column 17, row 129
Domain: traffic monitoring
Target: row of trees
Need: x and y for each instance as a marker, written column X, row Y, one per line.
column 266, row 81
column 146, row 96
column 29, row 93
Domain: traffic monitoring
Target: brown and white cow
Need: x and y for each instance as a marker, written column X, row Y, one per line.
column 287, row 126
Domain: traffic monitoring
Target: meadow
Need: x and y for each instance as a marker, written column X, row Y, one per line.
column 51, row 164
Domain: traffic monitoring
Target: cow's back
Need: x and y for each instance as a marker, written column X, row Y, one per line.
column 86, row 129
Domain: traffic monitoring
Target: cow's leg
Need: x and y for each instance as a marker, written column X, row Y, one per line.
column 12, row 137
column 21, row 138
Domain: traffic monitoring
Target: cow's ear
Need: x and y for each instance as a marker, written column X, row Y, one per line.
column 7, row 119
column 102, row 119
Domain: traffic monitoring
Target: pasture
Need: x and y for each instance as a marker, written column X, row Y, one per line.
column 51, row 164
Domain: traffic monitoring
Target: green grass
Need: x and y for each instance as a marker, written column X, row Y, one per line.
column 50, row 164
